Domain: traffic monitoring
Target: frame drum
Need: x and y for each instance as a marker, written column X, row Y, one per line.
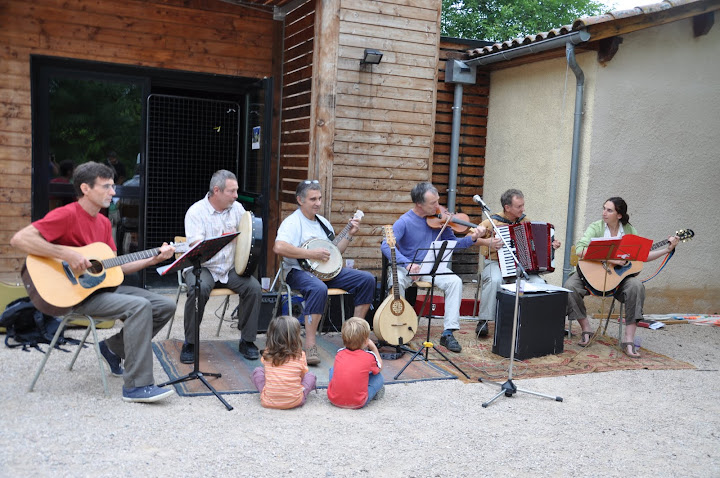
column 247, row 249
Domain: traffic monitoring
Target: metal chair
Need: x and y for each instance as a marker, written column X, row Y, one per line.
column 217, row 292
column 91, row 327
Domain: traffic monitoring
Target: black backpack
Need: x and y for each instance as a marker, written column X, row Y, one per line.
column 27, row 327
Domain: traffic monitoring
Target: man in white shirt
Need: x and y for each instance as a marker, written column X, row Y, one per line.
column 305, row 223
column 216, row 214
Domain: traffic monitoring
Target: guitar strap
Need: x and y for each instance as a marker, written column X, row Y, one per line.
column 328, row 232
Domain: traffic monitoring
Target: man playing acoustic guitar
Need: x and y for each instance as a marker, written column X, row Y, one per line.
column 143, row 313
column 615, row 222
column 297, row 229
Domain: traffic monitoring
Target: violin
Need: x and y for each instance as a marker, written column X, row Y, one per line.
column 459, row 222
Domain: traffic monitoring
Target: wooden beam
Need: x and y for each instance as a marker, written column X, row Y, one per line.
column 703, row 23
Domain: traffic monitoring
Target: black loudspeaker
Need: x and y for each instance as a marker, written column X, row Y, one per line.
column 267, row 305
column 540, row 328
column 332, row 323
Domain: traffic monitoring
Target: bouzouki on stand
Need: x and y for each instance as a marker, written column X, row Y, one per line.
column 329, row 269
column 603, row 278
column 53, row 287
column 395, row 320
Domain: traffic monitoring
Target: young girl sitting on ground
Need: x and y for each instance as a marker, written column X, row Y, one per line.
column 355, row 378
column 285, row 382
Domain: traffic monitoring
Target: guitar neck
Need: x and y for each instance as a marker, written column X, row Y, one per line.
column 396, row 285
column 135, row 256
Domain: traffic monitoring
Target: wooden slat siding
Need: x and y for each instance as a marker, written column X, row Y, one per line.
column 297, row 85
column 191, row 35
column 471, row 151
column 384, row 115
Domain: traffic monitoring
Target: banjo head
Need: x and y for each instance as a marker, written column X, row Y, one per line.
column 324, row 270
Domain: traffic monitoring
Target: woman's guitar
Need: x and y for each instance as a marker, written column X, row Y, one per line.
column 395, row 321
column 603, row 278
column 55, row 290
column 329, row 269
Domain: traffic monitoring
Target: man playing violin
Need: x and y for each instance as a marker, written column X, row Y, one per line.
column 513, row 204
column 300, row 226
column 412, row 233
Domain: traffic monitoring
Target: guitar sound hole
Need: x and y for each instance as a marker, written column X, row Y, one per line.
column 397, row 307
column 95, row 267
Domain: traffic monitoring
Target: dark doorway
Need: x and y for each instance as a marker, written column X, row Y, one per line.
column 168, row 131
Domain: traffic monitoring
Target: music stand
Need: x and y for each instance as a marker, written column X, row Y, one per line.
column 427, row 345
column 199, row 253
column 508, row 388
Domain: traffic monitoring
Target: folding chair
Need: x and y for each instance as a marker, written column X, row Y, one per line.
column 91, row 327
column 219, row 291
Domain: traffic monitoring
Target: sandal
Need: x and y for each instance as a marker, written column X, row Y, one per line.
column 586, row 341
column 625, row 350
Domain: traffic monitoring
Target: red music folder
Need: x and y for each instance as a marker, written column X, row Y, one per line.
column 626, row 248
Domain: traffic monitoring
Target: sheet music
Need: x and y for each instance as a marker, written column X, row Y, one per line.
column 533, row 287
column 429, row 260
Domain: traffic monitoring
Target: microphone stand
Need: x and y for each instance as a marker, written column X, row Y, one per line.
column 508, row 388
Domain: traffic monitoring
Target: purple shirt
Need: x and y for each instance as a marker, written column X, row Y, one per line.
column 412, row 233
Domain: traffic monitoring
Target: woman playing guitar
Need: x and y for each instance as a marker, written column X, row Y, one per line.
column 615, row 222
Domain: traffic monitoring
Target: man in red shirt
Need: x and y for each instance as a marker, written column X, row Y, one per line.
column 143, row 313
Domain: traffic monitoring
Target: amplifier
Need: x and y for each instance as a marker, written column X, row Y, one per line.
column 540, row 328
column 332, row 323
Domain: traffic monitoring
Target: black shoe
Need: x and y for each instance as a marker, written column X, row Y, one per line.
column 481, row 329
column 187, row 354
column 248, row 350
column 451, row 343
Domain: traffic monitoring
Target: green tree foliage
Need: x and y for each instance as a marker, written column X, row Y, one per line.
column 89, row 118
column 500, row 20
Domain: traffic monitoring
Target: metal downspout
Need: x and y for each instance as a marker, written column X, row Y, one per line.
column 572, row 195
column 454, row 146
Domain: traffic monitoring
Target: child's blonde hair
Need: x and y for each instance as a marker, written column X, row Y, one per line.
column 355, row 332
column 283, row 340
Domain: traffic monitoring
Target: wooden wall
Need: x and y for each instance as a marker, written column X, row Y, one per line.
column 296, row 100
column 471, row 152
column 207, row 36
column 384, row 115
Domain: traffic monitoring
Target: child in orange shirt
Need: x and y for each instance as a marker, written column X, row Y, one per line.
column 355, row 378
column 285, row 382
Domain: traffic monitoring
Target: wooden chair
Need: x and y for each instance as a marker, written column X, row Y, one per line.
column 91, row 327
column 217, row 292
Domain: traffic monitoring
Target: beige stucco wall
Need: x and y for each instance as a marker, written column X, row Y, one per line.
column 649, row 135
column 529, row 140
column 655, row 137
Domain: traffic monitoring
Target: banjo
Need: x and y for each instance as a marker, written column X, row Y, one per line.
column 329, row 269
column 249, row 242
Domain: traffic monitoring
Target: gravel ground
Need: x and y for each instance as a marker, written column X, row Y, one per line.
column 630, row 423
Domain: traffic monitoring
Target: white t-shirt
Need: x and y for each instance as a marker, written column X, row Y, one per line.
column 295, row 230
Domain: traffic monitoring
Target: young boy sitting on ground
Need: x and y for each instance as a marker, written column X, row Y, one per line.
column 355, row 378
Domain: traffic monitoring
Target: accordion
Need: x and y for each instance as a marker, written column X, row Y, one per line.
column 532, row 243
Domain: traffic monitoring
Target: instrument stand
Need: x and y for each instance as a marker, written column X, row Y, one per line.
column 508, row 388
column 203, row 251
column 428, row 345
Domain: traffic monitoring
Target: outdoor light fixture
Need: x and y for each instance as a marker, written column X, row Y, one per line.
column 371, row 57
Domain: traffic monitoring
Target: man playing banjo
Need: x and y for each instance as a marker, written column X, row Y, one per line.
column 300, row 228
column 216, row 214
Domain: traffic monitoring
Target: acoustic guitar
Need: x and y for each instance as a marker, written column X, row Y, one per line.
column 603, row 278
column 395, row 321
column 53, row 287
